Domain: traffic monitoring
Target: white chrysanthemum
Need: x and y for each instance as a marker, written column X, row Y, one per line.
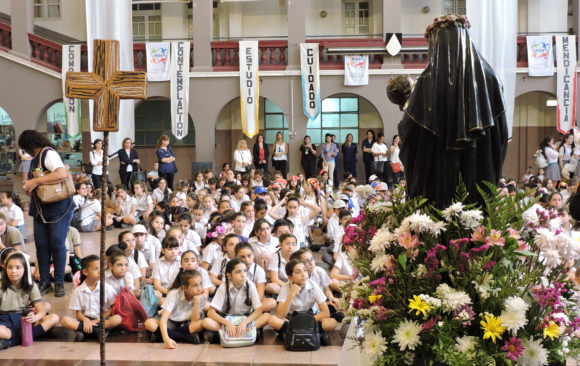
column 407, row 335
column 379, row 263
column 451, row 299
column 550, row 258
column 516, row 303
column 381, row 241
column 534, row 354
column 544, row 239
column 420, row 223
column 364, row 191
column 374, row 345
column 513, row 320
column 530, row 216
column 454, row 209
column 471, row 218
column 433, row 302
column 466, row 345
column 568, row 246
column 438, row 228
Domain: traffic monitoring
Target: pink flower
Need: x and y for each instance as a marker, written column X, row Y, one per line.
column 489, row 265
column 431, row 323
column 514, row 348
column 513, row 233
column 408, row 241
column 478, row 234
column 482, row 248
column 495, row 239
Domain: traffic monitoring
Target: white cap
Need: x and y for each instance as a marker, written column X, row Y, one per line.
column 373, row 177
column 338, row 204
column 139, row 229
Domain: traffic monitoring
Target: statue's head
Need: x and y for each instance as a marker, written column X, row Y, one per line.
column 447, row 21
column 399, row 89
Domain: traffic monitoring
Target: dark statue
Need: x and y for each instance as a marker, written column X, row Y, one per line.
column 454, row 125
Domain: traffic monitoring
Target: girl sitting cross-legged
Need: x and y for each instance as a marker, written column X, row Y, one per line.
column 255, row 273
column 288, row 245
column 190, row 261
column 166, row 268
column 181, row 313
column 218, row 268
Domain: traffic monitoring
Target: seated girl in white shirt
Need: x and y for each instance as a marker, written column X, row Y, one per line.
column 218, row 268
column 255, row 273
column 166, row 268
column 190, row 260
column 288, row 245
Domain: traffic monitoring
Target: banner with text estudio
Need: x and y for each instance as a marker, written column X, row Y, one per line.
column 249, row 87
column 179, row 89
column 566, row 82
column 71, row 61
column 310, row 72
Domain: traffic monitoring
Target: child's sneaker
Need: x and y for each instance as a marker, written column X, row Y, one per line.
column 79, row 336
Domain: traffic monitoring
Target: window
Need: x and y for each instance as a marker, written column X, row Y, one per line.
column 48, row 8
column 146, row 22
column 274, row 121
column 339, row 117
column 142, row 7
column 69, row 147
column 38, row 8
column 454, row 7
column 7, row 147
column 153, row 119
column 356, row 17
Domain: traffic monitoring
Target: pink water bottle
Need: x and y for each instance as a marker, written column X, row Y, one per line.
column 27, row 339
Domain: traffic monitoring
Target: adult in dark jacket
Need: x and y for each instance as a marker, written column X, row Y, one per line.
column 129, row 161
column 308, row 158
column 260, row 152
column 349, row 155
column 368, row 158
column 166, row 157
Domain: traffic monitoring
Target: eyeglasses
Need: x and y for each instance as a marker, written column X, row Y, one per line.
column 308, row 261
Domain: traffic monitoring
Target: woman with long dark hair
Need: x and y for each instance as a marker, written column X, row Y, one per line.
column 280, row 154
column 96, row 159
column 308, row 159
column 260, row 153
column 349, row 155
column 394, row 151
column 368, row 158
column 129, row 161
column 549, row 149
column 51, row 220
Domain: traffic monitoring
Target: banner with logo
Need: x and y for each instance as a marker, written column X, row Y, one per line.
column 310, row 72
column 249, row 87
column 566, row 82
column 179, row 89
column 158, row 61
column 71, row 61
column 540, row 56
column 356, row 70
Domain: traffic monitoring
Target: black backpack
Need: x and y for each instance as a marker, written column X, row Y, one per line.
column 303, row 333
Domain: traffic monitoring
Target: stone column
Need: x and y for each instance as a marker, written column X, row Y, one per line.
column 22, row 13
column 296, row 31
column 202, row 11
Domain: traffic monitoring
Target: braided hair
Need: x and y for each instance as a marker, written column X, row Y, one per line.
column 229, row 269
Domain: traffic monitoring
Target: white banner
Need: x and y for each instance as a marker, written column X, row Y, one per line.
column 249, row 87
column 540, row 56
column 356, row 70
column 310, row 71
column 158, row 61
column 566, row 82
column 71, row 61
column 179, row 88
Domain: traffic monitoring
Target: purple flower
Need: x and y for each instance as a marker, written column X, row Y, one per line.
column 431, row 323
column 489, row 265
column 482, row 248
column 514, row 348
column 465, row 315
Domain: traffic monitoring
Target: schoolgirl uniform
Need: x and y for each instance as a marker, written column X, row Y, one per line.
column 278, row 264
column 205, row 280
column 260, row 248
column 194, row 237
column 165, row 271
column 212, row 252
column 118, row 284
column 141, row 262
column 310, row 295
column 300, row 226
column 87, row 301
column 237, row 299
column 13, row 301
column 150, row 249
column 320, row 277
column 143, row 203
column 188, row 245
column 343, row 264
column 180, row 309
column 218, row 267
column 257, row 274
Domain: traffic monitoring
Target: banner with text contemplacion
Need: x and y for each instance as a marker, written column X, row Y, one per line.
column 179, row 89
column 71, row 61
column 566, row 82
column 249, row 87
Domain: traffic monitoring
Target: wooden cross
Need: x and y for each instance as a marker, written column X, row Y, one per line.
column 106, row 85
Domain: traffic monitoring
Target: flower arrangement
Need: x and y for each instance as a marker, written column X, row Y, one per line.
column 463, row 285
column 447, row 21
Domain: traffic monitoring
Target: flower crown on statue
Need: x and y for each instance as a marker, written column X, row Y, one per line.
column 446, row 21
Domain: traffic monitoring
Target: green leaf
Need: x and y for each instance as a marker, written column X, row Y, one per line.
column 526, row 253
column 403, row 260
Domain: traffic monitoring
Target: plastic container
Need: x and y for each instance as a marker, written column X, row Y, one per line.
column 27, row 338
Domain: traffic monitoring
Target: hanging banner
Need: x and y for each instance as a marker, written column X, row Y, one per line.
column 158, row 63
column 249, row 87
column 356, row 70
column 310, row 71
column 540, row 56
column 566, row 82
column 179, row 89
column 71, row 61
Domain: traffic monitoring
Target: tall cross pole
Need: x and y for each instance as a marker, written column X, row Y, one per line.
column 106, row 85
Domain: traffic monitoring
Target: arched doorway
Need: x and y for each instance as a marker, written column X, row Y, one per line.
column 153, row 119
column 534, row 118
column 344, row 114
column 229, row 128
column 8, row 154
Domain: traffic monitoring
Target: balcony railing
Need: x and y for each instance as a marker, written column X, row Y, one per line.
column 273, row 55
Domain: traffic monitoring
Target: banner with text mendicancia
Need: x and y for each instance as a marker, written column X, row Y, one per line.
column 566, row 82
column 249, row 87
column 179, row 89
column 71, row 61
column 310, row 71
column 356, row 70
column 540, row 56
column 158, row 64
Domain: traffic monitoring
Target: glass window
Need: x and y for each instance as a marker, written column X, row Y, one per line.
column 53, row 8
column 454, row 6
column 153, row 119
column 38, row 8
column 69, row 147
column 356, row 17
column 7, row 147
column 274, row 121
column 339, row 116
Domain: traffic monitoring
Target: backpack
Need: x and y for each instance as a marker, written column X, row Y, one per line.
column 149, row 301
column 303, row 333
column 540, row 160
column 131, row 311
column 76, row 219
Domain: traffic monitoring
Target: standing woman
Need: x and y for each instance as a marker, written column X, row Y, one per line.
column 566, row 149
column 96, row 159
column 394, row 151
column 261, row 153
column 242, row 157
column 381, row 153
column 24, row 167
column 280, row 154
column 551, row 154
column 129, row 159
column 368, row 158
column 329, row 153
column 349, row 155
column 51, row 220
column 308, row 160
column 167, row 167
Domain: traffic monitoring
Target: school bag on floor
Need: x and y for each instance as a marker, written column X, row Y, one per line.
column 303, row 333
column 131, row 311
column 246, row 339
column 149, row 301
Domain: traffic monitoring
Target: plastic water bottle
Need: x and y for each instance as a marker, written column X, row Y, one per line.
column 27, row 338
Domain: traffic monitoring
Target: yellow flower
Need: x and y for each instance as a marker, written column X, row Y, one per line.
column 492, row 327
column 418, row 305
column 373, row 298
column 552, row 330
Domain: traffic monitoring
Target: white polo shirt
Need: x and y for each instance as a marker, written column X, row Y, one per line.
column 257, row 274
column 194, row 237
column 212, row 252
column 119, row 283
column 260, row 248
column 188, row 245
column 343, row 264
column 13, row 213
column 165, row 271
column 218, row 267
column 88, row 302
column 309, row 296
column 135, row 270
column 152, row 249
column 141, row 261
column 320, row 277
column 205, row 280
column 126, row 205
column 179, row 307
column 237, row 299
column 278, row 264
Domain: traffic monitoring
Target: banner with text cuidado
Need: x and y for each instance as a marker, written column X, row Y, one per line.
column 179, row 89
column 540, row 55
column 566, row 82
column 249, row 87
column 310, row 71
column 71, row 61
column 158, row 63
